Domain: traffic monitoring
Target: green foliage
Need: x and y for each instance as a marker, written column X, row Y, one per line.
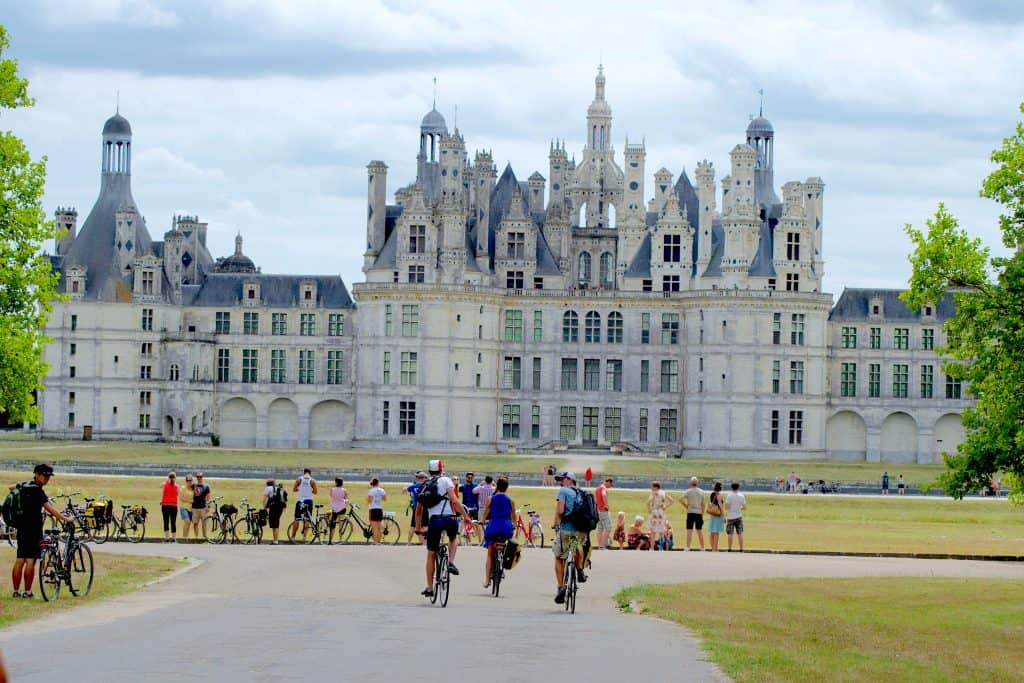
column 27, row 283
column 985, row 339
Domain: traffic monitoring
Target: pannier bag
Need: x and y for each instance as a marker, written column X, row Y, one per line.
column 228, row 509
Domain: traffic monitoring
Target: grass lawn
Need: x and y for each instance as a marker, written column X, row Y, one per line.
column 874, row 629
column 773, row 522
column 115, row 575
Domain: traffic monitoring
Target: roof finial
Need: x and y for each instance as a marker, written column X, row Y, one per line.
column 238, row 243
column 760, row 110
column 435, row 92
column 456, row 122
column 117, row 103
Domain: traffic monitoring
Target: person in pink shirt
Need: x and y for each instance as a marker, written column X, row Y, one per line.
column 604, row 519
column 339, row 500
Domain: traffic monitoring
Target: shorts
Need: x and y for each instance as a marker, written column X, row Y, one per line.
column 734, row 525
column 561, row 541
column 604, row 520
column 274, row 516
column 695, row 520
column 336, row 516
column 28, row 544
column 301, row 505
column 198, row 514
column 185, row 514
column 376, row 514
column 437, row 525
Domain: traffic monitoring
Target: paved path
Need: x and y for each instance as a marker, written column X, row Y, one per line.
column 289, row 613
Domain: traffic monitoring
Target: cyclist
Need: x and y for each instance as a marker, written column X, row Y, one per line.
column 498, row 515
column 30, row 530
column 305, row 486
column 440, row 498
column 566, row 534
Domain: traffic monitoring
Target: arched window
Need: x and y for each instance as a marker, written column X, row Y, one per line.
column 592, row 329
column 607, row 268
column 174, row 373
column 602, row 137
column 584, row 270
column 614, row 327
column 570, row 327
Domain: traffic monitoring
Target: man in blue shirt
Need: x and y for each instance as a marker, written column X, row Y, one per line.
column 470, row 501
column 566, row 535
column 413, row 490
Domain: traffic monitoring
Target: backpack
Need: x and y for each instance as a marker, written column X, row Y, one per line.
column 12, row 510
column 428, row 495
column 279, row 498
column 583, row 515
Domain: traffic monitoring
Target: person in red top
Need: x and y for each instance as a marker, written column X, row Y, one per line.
column 588, row 476
column 604, row 518
column 169, row 508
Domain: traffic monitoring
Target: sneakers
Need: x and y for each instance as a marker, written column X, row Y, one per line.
column 16, row 595
column 453, row 570
column 28, row 594
column 427, row 593
column 580, row 576
column 560, row 598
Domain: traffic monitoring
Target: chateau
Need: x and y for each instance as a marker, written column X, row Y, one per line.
column 588, row 309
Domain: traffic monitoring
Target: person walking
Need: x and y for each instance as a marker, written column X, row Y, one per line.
column 30, row 529
column 275, row 501
column 185, row 507
column 375, row 498
column 604, row 515
column 694, row 513
column 901, row 486
column 716, row 515
column 339, row 501
column 498, row 515
column 657, row 503
column 885, row 483
column 735, row 504
column 169, row 508
column 200, row 500
column 588, row 476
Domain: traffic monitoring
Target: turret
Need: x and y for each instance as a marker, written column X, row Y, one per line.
column 536, row 185
column 706, row 198
column 124, row 236
column 740, row 218
column 599, row 117
column 452, row 160
column 376, row 208
column 428, row 171
column 484, row 175
column 633, row 195
column 558, row 165
column 814, row 188
column 66, row 219
column 193, row 232
column 662, row 190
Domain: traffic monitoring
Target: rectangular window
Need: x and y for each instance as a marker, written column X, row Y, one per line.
column 513, row 326
column 74, row 323
column 647, row 285
column 144, row 421
column 874, row 380
column 538, row 326
column 335, row 324
column 901, row 338
column 147, row 319
column 643, row 424
column 645, row 328
column 567, row 423
column 417, row 239
column 335, row 367
column 796, row 333
column 517, row 245
column 386, row 415
column 536, row 373
column 145, row 372
column 613, row 375
column 407, row 418
column 250, row 366
column 569, row 375
column 222, row 322
column 667, row 421
column 669, row 328
column 927, row 339
column 793, row 246
column 645, row 375
column 849, row 337
column 613, row 424
column 876, row 338
column 591, row 374
column 776, row 328
column 672, row 248
column 952, row 387
column 145, row 350
column 796, row 377
column 223, row 365
column 407, row 369
column 278, row 324
column 71, row 371
column 614, row 328
column 538, row 283
column 145, row 398
column 514, row 279
column 147, row 282
column 792, row 282
column 307, row 324
column 250, row 323
column 776, row 376
column 775, row 427
column 535, row 422
column 900, row 376
column 387, row 320
column 927, row 381
column 796, row 427
column 307, row 366
column 512, row 373
column 416, row 275
column 278, row 365
column 71, row 420
column 410, row 320
column 848, row 380
column 669, row 376
column 670, row 283
column 387, row 367
column 510, row 422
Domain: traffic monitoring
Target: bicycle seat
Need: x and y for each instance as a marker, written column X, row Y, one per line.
column 89, row 500
column 318, row 506
column 125, row 507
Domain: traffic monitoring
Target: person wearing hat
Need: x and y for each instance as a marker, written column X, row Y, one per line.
column 565, row 531
column 443, row 518
column 413, row 490
column 30, row 531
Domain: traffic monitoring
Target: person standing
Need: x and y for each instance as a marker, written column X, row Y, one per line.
column 413, row 490
column 735, row 504
column 483, row 494
column 375, row 498
column 588, row 476
column 339, row 501
column 885, row 483
column 657, row 503
column 200, row 499
column 694, row 513
column 604, row 515
column 275, row 500
column 901, row 486
column 30, row 529
column 471, row 504
column 716, row 515
column 185, row 507
column 169, row 508
column 305, row 487
column 793, row 481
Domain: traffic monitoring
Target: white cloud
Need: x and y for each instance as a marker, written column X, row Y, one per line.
column 86, row 13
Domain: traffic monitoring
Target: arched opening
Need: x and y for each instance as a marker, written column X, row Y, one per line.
column 846, row 436
column 949, row 434
column 607, row 270
column 592, row 328
column 330, row 425
column 236, row 423
column 899, row 438
column 570, row 327
column 282, row 424
column 168, row 430
column 581, row 215
column 584, row 269
column 611, row 215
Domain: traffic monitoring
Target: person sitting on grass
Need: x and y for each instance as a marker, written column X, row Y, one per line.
column 619, row 535
column 637, row 538
column 667, row 540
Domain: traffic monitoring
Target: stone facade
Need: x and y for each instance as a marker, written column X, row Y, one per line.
column 504, row 315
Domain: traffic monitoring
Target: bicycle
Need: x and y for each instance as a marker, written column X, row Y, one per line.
column 389, row 528
column 531, row 528
column 130, row 525
column 442, row 577
column 468, row 531
column 317, row 523
column 249, row 527
column 570, row 580
column 219, row 525
column 71, row 564
column 498, row 568
column 8, row 532
column 75, row 511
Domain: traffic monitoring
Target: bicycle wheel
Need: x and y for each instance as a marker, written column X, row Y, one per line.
column 347, row 529
column 49, row 574
column 246, row 531
column 211, row 529
column 391, row 532
column 102, row 532
column 318, row 531
column 537, row 535
column 294, row 530
column 12, row 535
column 440, row 570
column 446, row 584
column 80, row 572
column 497, row 572
column 570, row 593
column 134, row 529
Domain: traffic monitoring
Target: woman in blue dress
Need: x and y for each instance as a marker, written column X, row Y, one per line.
column 498, row 514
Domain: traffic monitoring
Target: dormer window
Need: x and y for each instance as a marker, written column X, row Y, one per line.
column 876, row 307
column 307, row 293
column 74, row 287
column 250, row 293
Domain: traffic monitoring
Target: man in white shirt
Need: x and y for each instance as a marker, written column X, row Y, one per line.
column 440, row 498
column 735, row 504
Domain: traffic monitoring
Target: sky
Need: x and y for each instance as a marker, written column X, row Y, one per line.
column 260, row 117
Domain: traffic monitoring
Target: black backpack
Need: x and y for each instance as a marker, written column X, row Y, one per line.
column 583, row 515
column 279, row 497
column 428, row 495
column 13, row 513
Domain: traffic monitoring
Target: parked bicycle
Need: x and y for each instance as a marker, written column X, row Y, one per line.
column 309, row 527
column 131, row 524
column 219, row 525
column 249, row 527
column 530, row 527
column 68, row 563
column 469, row 531
column 390, row 531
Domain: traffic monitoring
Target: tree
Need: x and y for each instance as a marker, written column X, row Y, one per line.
column 27, row 282
column 985, row 338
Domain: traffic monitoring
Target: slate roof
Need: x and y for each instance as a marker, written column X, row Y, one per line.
column 853, row 306
column 117, row 125
column 764, row 260
column 640, row 266
column 280, row 291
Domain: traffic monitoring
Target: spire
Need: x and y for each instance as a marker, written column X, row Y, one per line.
column 238, row 244
column 760, row 109
column 599, row 83
column 435, row 93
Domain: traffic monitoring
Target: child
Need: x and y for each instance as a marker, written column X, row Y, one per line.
column 637, row 538
column 667, row 540
column 619, row 535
